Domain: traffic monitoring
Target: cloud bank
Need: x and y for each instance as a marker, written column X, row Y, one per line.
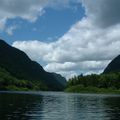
column 87, row 47
column 103, row 13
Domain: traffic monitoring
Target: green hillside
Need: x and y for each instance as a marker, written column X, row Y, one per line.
column 8, row 82
column 19, row 65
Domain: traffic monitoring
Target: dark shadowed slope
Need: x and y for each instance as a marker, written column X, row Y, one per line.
column 113, row 66
column 19, row 65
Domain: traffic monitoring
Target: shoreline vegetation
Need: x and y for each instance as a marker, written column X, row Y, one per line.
column 81, row 89
column 103, row 83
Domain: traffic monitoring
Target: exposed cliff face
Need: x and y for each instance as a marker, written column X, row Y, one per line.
column 21, row 66
column 113, row 66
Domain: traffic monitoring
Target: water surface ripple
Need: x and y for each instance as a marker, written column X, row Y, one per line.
column 58, row 106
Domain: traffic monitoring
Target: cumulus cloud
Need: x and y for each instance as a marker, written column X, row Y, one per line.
column 78, row 66
column 87, row 47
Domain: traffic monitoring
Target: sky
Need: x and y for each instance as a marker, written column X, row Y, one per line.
column 68, row 37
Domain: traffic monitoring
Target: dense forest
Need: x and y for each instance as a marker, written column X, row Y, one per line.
column 95, row 83
column 106, row 82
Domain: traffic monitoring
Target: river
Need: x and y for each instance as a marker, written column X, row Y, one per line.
column 58, row 106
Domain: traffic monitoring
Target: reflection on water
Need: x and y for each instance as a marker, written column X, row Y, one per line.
column 17, row 106
column 58, row 106
column 112, row 106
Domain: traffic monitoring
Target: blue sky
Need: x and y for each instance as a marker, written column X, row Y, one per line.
column 69, row 37
column 50, row 26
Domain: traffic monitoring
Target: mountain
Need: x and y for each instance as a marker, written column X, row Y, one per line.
column 113, row 66
column 19, row 65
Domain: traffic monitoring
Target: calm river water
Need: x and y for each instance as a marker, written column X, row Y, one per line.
column 58, row 106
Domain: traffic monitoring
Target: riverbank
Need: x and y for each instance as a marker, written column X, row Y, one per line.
column 72, row 89
column 81, row 89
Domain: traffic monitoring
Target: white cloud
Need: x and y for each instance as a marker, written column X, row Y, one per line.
column 35, row 49
column 68, row 74
column 79, row 66
column 84, row 48
column 87, row 47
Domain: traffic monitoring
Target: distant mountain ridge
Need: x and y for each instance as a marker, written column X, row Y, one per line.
column 113, row 66
column 17, row 63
